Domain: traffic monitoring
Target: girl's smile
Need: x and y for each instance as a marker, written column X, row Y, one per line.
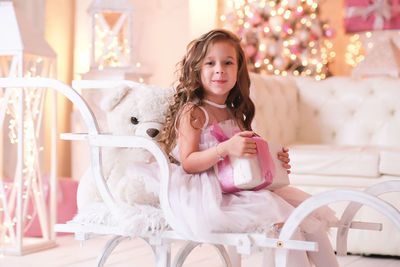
column 219, row 81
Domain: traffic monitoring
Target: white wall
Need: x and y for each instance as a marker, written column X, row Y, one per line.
column 203, row 16
column 162, row 29
column 34, row 11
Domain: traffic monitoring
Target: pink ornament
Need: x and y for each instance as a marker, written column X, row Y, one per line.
column 298, row 14
column 314, row 37
column 241, row 31
column 287, row 28
column 294, row 49
column 250, row 50
column 330, row 33
column 255, row 19
column 257, row 58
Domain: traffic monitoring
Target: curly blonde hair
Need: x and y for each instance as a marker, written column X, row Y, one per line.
column 190, row 89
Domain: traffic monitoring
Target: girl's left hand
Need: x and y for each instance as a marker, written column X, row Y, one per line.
column 284, row 157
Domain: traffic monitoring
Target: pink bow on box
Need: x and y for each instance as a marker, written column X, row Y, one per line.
column 367, row 15
column 225, row 169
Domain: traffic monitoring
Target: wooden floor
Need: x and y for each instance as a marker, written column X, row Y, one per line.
column 135, row 253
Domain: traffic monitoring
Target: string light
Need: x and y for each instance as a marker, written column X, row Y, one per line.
column 111, row 49
column 33, row 107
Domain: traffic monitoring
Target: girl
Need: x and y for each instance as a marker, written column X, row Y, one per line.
column 213, row 86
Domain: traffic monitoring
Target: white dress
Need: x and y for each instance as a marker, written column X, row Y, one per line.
column 198, row 206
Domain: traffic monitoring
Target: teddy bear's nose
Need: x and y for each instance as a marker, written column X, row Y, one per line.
column 152, row 132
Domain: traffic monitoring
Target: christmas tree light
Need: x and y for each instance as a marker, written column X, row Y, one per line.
column 282, row 36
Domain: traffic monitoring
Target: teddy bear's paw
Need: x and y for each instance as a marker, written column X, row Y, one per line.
column 133, row 191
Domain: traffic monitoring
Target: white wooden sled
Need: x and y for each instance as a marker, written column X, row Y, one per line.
column 160, row 241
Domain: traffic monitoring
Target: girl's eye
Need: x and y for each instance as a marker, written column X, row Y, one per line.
column 229, row 63
column 209, row 63
column 134, row 120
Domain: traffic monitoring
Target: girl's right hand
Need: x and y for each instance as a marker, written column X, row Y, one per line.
column 239, row 145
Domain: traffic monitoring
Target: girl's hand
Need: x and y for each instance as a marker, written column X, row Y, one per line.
column 239, row 145
column 284, row 157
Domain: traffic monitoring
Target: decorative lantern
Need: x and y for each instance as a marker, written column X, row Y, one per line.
column 23, row 52
column 111, row 46
column 112, row 34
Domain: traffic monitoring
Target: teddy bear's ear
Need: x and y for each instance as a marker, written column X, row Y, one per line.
column 112, row 100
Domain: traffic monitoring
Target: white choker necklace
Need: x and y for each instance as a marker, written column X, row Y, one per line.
column 214, row 104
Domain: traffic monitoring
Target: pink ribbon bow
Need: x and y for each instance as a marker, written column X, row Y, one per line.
column 225, row 169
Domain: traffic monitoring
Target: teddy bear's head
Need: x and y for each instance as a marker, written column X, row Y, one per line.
column 137, row 110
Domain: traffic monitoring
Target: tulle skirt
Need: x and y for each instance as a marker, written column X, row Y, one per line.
column 197, row 206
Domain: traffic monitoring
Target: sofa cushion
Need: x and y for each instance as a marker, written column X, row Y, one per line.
column 335, row 160
column 389, row 162
column 334, row 181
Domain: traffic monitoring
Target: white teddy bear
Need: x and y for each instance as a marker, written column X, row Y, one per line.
column 137, row 110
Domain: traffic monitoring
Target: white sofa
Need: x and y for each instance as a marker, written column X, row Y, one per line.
column 342, row 133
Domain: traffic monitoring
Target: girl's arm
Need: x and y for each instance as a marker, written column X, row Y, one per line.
column 189, row 132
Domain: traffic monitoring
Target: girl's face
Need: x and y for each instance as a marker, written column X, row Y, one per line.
column 219, row 71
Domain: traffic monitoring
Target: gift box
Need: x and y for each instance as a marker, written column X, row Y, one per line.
column 371, row 15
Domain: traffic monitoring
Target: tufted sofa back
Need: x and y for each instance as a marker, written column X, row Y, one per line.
column 275, row 99
column 346, row 111
column 338, row 110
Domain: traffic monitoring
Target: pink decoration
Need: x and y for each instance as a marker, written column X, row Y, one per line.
column 257, row 58
column 66, row 205
column 250, row 50
column 225, row 168
column 255, row 19
column 295, row 49
column 368, row 15
column 330, row 33
column 314, row 37
column 287, row 27
column 298, row 14
column 241, row 31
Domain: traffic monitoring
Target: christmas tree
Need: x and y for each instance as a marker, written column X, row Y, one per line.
column 281, row 36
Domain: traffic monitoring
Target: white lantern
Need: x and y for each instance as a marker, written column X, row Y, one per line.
column 111, row 45
column 23, row 52
column 112, row 34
